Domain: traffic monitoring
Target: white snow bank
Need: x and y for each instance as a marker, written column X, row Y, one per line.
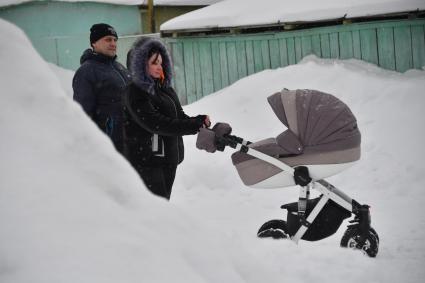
column 4, row 3
column 105, row 228
column 389, row 107
column 235, row 13
column 182, row 2
column 65, row 78
column 73, row 210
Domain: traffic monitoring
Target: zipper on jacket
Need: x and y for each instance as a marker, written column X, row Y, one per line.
column 119, row 74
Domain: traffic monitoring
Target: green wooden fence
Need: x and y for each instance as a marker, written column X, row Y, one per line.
column 204, row 65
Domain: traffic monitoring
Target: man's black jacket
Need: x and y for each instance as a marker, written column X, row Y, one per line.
column 99, row 85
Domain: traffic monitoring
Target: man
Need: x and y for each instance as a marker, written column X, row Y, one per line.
column 101, row 81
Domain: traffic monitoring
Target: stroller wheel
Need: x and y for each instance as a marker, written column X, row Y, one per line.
column 275, row 229
column 371, row 230
column 352, row 239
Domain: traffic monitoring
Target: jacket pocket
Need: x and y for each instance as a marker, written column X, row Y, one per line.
column 157, row 145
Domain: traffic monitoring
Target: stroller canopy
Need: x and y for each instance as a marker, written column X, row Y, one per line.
column 321, row 134
column 316, row 122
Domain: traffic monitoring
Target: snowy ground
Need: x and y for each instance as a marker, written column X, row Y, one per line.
column 73, row 210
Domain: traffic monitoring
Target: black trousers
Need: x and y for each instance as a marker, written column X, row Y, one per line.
column 159, row 179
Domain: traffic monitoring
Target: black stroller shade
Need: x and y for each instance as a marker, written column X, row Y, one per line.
column 321, row 130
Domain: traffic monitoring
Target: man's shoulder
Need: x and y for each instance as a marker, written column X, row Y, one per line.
column 89, row 68
column 88, row 65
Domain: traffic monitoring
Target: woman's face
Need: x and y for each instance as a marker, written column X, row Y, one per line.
column 155, row 66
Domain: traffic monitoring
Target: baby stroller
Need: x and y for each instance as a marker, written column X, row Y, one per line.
column 321, row 140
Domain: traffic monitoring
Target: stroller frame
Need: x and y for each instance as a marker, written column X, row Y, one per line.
column 362, row 219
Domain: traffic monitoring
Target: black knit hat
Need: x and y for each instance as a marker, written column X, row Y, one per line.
column 98, row 31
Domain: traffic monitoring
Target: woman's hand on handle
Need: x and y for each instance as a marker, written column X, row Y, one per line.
column 207, row 122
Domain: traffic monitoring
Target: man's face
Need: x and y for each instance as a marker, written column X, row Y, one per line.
column 107, row 45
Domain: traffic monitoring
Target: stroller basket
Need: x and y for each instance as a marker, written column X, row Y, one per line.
column 325, row 224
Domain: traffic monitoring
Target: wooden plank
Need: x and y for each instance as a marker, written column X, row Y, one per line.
column 250, row 62
column 241, row 58
column 198, row 70
column 189, row 71
column 258, row 56
column 206, row 67
column 232, row 62
column 306, row 46
column 215, row 53
column 345, row 45
column 315, row 45
column 357, row 53
column 334, row 44
column 291, row 51
column 403, row 48
column 369, row 46
column 386, row 52
column 265, row 53
column 418, row 46
column 283, row 51
column 223, row 65
column 274, row 53
column 325, row 45
column 298, row 49
column 180, row 86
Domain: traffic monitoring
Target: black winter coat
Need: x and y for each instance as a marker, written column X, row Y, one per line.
column 99, row 85
column 154, row 127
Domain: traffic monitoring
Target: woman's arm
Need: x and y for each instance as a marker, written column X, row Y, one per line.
column 148, row 117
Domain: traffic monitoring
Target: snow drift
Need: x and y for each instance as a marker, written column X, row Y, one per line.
column 71, row 208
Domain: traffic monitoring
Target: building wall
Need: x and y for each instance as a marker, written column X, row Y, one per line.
column 163, row 14
column 207, row 64
column 60, row 30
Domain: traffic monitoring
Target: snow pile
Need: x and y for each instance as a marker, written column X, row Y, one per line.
column 389, row 107
column 234, row 13
column 65, row 78
column 4, row 3
column 182, row 2
column 72, row 209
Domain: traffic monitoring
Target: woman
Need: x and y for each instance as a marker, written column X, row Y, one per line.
column 155, row 121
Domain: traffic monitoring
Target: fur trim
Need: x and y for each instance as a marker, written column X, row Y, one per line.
column 137, row 61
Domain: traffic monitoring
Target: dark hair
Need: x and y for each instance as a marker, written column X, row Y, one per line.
column 154, row 51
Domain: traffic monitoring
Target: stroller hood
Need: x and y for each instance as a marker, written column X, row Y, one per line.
column 315, row 120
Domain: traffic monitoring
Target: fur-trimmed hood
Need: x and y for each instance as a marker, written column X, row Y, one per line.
column 137, row 62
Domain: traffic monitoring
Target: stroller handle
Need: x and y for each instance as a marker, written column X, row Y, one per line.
column 219, row 137
column 242, row 145
column 230, row 140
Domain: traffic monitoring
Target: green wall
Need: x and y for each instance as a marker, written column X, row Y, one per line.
column 60, row 30
column 207, row 64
